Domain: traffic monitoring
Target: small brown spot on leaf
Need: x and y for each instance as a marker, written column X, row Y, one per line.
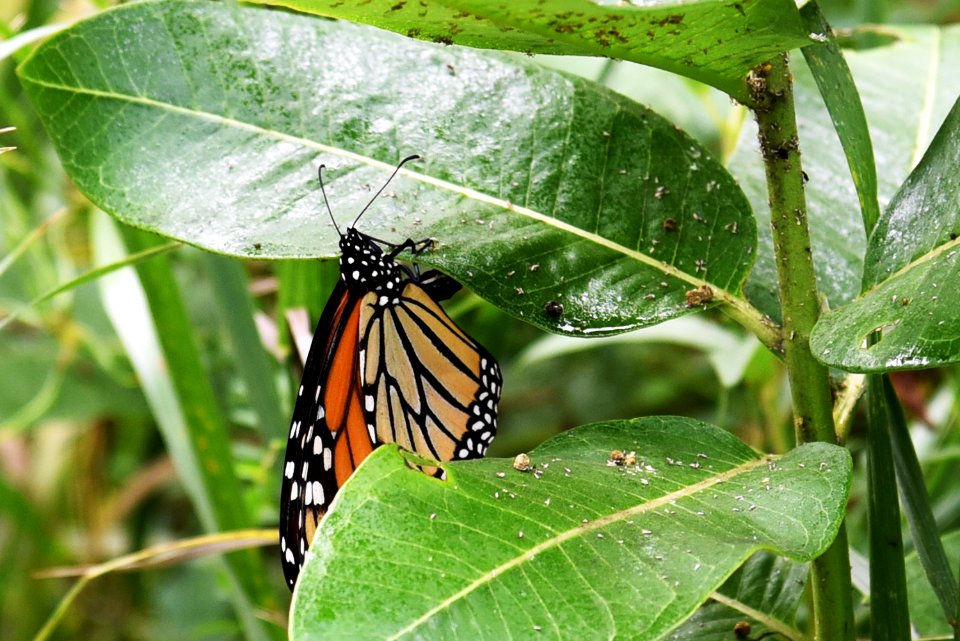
column 699, row 296
column 553, row 309
column 674, row 18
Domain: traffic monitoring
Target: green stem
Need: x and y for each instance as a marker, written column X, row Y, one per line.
column 751, row 318
column 809, row 380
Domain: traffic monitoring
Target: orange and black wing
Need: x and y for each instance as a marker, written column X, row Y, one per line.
column 426, row 385
column 328, row 435
column 381, row 369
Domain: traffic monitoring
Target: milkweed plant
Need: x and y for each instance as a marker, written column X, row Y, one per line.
column 713, row 245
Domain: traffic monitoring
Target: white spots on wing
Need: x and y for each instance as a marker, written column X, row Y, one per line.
column 317, row 445
column 289, row 558
column 327, row 459
column 294, row 491
column 368, row 402
column 308, row 494
column 318, row 495
column 288, row 470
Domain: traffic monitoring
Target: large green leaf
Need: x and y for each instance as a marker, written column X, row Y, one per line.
column 206, row 122
column 919, row 62
column 715, row 41
column 576, row 548
column 911, row 268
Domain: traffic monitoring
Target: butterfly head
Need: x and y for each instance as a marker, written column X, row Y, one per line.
column 363, row 264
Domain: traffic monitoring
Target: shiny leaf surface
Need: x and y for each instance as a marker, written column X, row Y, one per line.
column 561, row 202
column 912, row 263
column 492, row 552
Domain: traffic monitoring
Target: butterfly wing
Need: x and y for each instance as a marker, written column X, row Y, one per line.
column 381, row 369
column 427, row 386
column 323, row 447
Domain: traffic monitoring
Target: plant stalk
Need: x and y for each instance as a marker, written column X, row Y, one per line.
column 772, row 90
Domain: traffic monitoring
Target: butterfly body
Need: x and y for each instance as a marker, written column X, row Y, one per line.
column 387, row 365
column 365, row 267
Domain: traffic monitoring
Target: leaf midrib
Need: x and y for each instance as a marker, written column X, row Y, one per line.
column 768, row 620
column 574, row 532
column 913, row 264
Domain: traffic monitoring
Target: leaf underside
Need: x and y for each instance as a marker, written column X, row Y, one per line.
column 538, row 188
column 715, row 41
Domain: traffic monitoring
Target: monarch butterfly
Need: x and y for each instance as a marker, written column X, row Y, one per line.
column 386, row 365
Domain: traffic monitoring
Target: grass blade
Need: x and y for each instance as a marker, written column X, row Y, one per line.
column 916, row 505
column 890, row 617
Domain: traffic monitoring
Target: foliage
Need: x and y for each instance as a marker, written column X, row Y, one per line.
column 148, row 366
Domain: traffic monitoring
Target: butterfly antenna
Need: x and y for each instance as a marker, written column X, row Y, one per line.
column 325, row 201
column 380, row 191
